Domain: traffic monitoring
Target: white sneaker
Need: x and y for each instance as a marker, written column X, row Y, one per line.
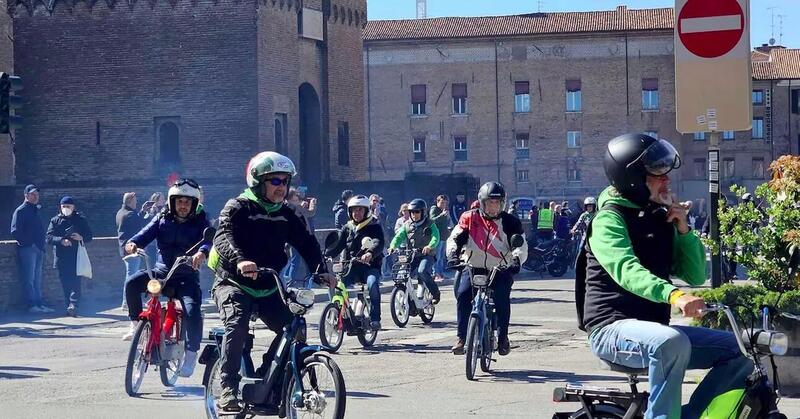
column 131, row 331
column 189, row 361
column 35, row 310
column 46, row 309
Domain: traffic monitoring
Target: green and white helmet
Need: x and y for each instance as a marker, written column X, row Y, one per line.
column 266, row 163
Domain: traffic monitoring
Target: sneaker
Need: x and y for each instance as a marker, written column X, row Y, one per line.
column 131, row 331
column 228, row 400
column 189, row 361
column 35, row 310
column 435, row 299
column 72, row 311
column 46, row 309
column 375, row 325
column 504, row 347
column 458, row 348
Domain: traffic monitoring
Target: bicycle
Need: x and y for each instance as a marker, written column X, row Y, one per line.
column 160, row 337
column 342, row 315
column 482, row 339
column 759, row 399
column 293, row 375
column 409, row 299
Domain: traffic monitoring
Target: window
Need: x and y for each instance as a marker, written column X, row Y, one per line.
column 699, row 168
column 523, row 146
column 419, row 149
column 280, row 127
column 574, row 174
column 460, row 148
column 343, row 131
column 459, row 98
column 574, row 96
column 573, row 139
column 523, row 176
column 699, row 136
column 522, row 96
column 169, row 150
column 758, row 128
column 728, row 135
column 758, row 97
column 650, row 94
column 418, row 98
column 758, row 167
column 728, row 168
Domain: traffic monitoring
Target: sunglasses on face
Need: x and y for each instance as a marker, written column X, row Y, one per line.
column 276, row 181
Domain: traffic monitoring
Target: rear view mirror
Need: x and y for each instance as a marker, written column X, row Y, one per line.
column 517, row 241
column 331, row 239
column 208, row 234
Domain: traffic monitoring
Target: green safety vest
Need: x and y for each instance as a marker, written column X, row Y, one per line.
column 545, row 220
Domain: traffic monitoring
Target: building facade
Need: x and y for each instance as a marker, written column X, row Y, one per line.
column 533, row 99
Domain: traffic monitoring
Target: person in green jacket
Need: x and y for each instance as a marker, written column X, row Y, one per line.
column 638, row 240
column 422, row 235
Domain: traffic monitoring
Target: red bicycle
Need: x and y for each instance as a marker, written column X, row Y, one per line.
column 160, row 337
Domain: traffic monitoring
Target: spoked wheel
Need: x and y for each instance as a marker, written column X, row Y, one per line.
column 473, row 347
column 330, row 334
column 138, row 358
column 398, row 305
column 367, row 336
column 486, row 352
column 213, row 390
column 426, row 314
column 323, row 395
column 168, row 370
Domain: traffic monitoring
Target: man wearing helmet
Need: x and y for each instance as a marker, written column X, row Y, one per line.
column 639, row 238
column 176, row 229
column 589, row 209
column 362, row 238
column 253, row 230
column 422, row 235
column 484, row 234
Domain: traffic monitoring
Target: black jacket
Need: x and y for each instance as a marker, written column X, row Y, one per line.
column 66, row 256
column 129, row 222
column 340, row 215
column 26, row 226
column 247, row 232
column 173, row 238
column 350, row 240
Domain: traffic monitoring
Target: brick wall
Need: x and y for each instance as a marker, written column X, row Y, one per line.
column 6, row 66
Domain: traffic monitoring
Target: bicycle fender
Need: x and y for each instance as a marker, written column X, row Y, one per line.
column 726, row 405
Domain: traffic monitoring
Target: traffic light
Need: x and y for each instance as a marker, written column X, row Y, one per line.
column 9, row 101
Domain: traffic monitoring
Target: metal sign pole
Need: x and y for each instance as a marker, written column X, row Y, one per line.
column 713, row 188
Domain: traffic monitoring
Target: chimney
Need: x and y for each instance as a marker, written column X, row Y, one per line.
column 622, row 8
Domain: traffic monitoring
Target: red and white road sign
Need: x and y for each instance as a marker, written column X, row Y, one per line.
column 711, row 28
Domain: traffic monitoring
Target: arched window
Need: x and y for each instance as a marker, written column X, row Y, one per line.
column 169, row 142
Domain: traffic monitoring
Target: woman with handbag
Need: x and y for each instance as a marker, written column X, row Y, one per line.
column 67, row 233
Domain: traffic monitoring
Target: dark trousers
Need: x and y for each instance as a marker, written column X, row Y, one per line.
column 235, row 308
column 71, row 284
column 186, row 288
column 502, row 302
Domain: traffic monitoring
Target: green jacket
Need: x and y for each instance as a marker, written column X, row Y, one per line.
column 611, row 246
column 402, row 236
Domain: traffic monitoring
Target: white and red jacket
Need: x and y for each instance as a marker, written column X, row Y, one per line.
column 484, row 243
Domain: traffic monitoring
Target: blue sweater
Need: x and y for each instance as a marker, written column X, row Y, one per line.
column 26, row 226
column 173, row 238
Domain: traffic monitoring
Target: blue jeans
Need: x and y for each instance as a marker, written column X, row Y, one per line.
column 292, row 271
column 668, row 351
column 439, row 265
column 131, row 267
column 362, row 274
column 424, row 274
column 31, row 259
column 502, row 302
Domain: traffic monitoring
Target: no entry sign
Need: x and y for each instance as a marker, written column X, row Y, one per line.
column 712, row 65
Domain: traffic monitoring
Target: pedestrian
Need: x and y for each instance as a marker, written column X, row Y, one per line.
column 402, row 216
column 129, row 222
column 308, row 208
column 458, row 207
column 150, row 209
column 562, row 227
column 340, row 216
column 28, row 231
column 378, row 211
column 440, row 215
column 66, row 233
column 295, row 268
column 545, row 222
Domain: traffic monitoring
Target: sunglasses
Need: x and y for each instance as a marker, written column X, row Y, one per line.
column 189, row 182
column 415, row 211
column 276, row 181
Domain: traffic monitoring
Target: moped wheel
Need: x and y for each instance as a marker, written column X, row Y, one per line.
column 330, row 334
column 557, row 268
column 323, row 395
column 169, row 368
column 472, row 348
column 488, row 347
column 398, row 306
column 601, row 411
column 426, row 314
column 367, row 337
column 138, row 358
column 213, row 389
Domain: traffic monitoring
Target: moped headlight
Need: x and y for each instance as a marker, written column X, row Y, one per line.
column 154, row 286
column 402, row 258
column 778, row 343
column 305, row 297
column 337, row 268
column 296, row 308
column 766, row 341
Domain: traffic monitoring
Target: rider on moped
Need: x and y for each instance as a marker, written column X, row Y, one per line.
column 422, row 235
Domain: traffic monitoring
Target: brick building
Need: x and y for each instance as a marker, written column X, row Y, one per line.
column 533, row 99
column 120, row 94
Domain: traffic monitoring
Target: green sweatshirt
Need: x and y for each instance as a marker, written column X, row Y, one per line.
column 612, row 247
column 402, row 235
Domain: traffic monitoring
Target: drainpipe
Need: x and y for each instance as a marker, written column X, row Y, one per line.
column 497, row 107
column 369, row 121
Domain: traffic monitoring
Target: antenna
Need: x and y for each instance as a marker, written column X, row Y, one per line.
column 772, row 25
column 539, row 4
column 422, row 9
column 780, row 29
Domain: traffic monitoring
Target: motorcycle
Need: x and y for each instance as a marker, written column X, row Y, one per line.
column 552, row 256
column 410, row 296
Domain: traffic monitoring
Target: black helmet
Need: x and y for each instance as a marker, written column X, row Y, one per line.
column 491, row 190
column 629, row 158
column 418, row 205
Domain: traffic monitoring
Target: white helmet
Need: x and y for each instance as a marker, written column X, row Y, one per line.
column 184, row 188
column 590, row 201
column 358, row 201
column 265, row 163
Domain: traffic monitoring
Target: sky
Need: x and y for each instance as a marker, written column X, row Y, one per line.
column 761, row 28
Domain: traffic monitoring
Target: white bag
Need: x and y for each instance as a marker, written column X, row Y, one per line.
column 84, row 266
